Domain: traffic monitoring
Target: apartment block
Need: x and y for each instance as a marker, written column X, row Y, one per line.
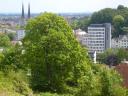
column 120, row 42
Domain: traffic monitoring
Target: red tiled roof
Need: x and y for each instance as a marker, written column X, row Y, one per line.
column 123, row 70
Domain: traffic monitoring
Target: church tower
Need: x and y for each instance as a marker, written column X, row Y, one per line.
column 22, row 16
column 22, row 20
column 29, row 14
column 20, row 33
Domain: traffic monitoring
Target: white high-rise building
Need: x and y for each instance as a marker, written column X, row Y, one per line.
column 98, row 38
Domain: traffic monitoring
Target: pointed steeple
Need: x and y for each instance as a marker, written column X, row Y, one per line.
column 29, row 14
column 22, row 16
column 22, row 20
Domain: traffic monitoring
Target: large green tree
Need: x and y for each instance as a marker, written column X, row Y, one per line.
column 55, row 56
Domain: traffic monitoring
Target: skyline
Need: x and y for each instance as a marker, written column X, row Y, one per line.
column 59, row 6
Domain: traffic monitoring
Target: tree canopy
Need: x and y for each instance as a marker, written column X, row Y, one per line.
column 55, row 55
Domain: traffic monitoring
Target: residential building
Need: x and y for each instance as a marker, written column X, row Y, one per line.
column 120, row 42
column 80, row 35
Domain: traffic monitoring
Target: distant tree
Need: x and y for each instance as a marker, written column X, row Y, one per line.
column 81, row 23
column 125, row 30
column 103, row 16
column 112, row 60
column 118, row 22
column 84, row 23
column 11, row 36
column 120, row 7
column 109, row 57
column 74, row 24
column 122, row 54
column 4, row 40
column 113, row 56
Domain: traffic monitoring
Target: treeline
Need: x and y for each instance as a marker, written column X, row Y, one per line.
column 117, row 17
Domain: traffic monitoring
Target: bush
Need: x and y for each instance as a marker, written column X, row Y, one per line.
column 14, row 84
column 102, row 81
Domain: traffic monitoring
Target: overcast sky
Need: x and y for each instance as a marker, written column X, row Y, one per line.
column 37, row 6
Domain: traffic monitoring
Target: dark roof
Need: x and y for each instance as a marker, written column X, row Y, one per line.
column 99, row 25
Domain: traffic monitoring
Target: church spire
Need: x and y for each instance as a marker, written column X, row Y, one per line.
column 22, row 11
column 29, row 14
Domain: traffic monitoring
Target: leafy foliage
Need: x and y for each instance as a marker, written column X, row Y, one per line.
column 113, row 57
column 53, row 53
column 103, row 16
column 117, row 17
column 12, row 59
column 4, row 40
column 11, row 35
column 118, row 22
column 14, row 84
column 101, row 81
column 81, row 23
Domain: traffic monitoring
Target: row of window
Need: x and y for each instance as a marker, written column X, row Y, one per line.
column 95, row 41
column 122, row 43
column 97, row 50
column 96, row 32
column 121, row 46
column 96, row 29
column 95, row 44
column 93, row 35
column 96, row 38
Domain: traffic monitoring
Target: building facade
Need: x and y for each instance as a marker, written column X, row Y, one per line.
column 20, row 34
column 99, row 37
column 120, row 42
column 80, row 35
